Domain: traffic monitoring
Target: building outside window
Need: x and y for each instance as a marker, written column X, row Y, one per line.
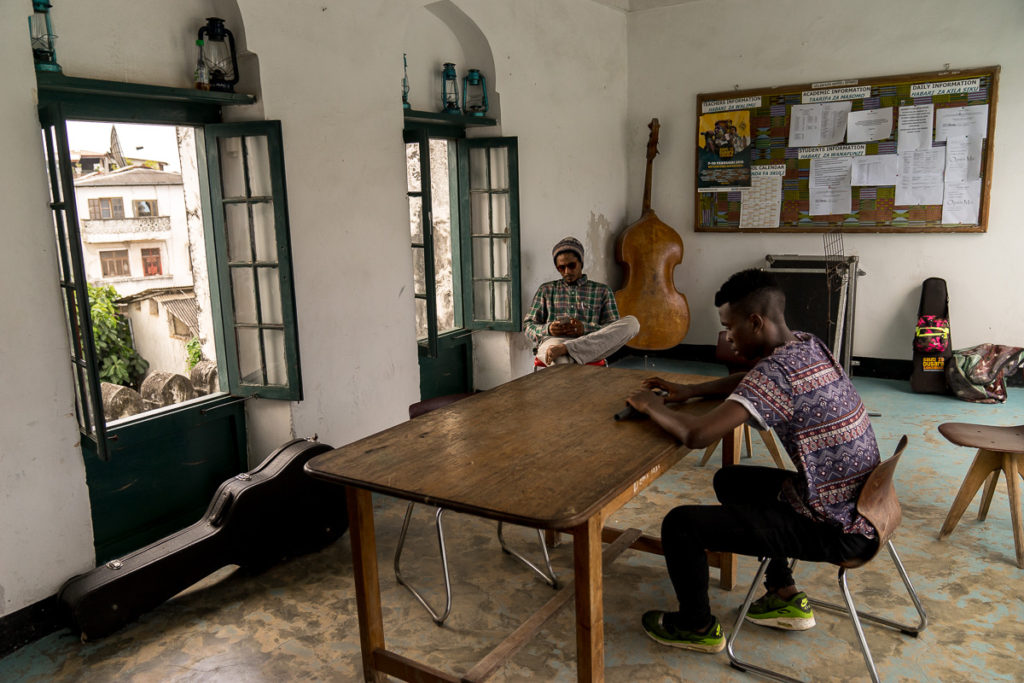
column 144, row 207
column 106, row 207
column 151, row 264
column 115, row 263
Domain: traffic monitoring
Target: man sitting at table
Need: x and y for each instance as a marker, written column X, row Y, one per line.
column 798, row 389
column 573, row 319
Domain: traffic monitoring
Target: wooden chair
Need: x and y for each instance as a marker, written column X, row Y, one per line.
column 879, row 504
column 999, row 449
column 735, row 363
column 546, row 573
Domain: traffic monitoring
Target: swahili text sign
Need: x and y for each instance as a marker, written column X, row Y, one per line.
column 908, row 153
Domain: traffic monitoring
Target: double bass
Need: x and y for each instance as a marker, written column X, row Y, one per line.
column 649, row 251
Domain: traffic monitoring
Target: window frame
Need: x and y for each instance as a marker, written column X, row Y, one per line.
column 104, row 262
column 159, row 261
column 514, row 278
column 154, row 211
column 217, row 254
column 62, row 98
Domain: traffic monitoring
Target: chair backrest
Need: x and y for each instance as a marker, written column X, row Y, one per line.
column 423, row 407
column 878, row 502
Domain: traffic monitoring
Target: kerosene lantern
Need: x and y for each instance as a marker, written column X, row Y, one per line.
column 474, row 93
column 449, row 89
column 219, row 55
column 42, row 37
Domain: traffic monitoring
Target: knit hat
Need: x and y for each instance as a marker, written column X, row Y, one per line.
column 570, row 244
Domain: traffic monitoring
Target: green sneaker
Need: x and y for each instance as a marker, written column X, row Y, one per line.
column 711, row 641
column 794, row 614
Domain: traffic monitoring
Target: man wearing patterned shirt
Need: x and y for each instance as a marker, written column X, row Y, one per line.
column 798, row 389
column 574, row 319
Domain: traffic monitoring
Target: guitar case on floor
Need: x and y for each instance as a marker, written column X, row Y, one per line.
column 932, row 342
column 254, row 520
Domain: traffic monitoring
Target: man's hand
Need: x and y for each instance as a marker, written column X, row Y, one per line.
column 566, row 327
column 673, row 392
column 644, row 400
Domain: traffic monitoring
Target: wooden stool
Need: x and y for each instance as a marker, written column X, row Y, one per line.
column 999, row 448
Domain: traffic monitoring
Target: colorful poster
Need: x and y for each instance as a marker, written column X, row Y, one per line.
column 723, row 151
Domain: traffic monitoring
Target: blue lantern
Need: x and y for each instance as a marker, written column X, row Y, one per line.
column 474, row 102
column 449, row 90
column 405, row 83
column 41, row 31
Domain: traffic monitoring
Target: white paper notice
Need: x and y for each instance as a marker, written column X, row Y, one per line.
column 830, row 186
column 957, row 159
column 879, row 169
column 833, row 122
column 812, row 125
column 804, row 125
column 956, row 121
column 919, row 179
column 869, row 125
column 960, row 203
column 915, row 129
column 762, row 203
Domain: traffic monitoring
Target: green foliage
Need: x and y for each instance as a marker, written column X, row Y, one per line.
column 193, row 351
column 119, row 362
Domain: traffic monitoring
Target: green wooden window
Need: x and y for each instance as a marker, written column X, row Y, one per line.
column 84, row 366
column 252, row 256
column 489, row 177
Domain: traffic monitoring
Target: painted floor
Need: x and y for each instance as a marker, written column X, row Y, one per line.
column 296, row 621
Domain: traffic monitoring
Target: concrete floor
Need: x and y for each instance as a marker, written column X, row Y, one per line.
column 297, row 620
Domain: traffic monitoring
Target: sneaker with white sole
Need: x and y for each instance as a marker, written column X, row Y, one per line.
column 794, row 614
column 710, row 640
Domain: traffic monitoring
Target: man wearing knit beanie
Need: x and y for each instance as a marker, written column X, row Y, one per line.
column 574, row 319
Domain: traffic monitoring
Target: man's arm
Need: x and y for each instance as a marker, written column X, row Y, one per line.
column 609, row 308
column 693, row 431
column 535, row 324
column 717, row 388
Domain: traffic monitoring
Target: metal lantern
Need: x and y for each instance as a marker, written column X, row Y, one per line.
column 42, row 37
column 474, row 93
column 449, row 89
column 219, row 55
column 405, row 83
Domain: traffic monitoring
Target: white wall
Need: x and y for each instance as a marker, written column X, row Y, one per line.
column 45, row 534
column 561, row 69
column 677, row 52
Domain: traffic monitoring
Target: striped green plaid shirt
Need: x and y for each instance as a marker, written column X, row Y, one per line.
column 592, row 303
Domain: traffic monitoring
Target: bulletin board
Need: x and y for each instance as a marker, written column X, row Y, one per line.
column 829, row 156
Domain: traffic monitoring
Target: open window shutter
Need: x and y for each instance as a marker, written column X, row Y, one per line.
column 252, row 253
column 489, row 207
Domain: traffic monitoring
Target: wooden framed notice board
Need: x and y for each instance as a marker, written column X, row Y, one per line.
column 909, row 153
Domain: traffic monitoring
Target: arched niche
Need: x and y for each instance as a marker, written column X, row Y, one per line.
column 441, row 32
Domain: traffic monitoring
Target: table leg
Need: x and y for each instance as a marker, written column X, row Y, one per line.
column 1010, row 467
column 364, row 569
column 589, row 603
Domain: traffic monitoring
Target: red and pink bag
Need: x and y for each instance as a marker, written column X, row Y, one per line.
column 931, row 334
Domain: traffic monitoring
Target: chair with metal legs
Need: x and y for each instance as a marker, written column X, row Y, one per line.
column 879, row 504
column 546, row 573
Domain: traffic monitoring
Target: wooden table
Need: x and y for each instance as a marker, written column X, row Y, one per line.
column 541, row 451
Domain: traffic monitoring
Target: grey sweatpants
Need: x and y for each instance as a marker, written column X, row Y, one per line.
column 594, row 346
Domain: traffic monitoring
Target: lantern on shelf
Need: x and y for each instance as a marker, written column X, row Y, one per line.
column 218, row 51
column 474, row 93
column 39, row 28
column 405, row 83
column 449, row 89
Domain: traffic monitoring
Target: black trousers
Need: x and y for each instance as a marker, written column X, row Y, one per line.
column 751, row 520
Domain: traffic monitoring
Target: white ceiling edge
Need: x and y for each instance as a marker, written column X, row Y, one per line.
column 640, row 5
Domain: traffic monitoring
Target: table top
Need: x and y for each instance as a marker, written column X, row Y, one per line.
column 542, row 450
